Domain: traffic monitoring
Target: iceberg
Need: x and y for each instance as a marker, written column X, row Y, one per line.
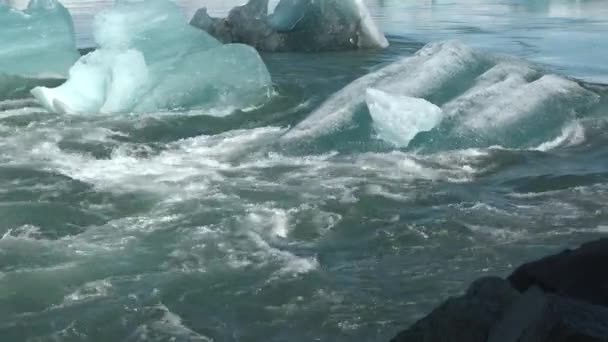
column 148, row 59
column 533, row 112
column 398, row 119
column 38, row 47
column 235, row 78
column 463, row 98
column 296, row 25
column 37, row 42
column 102, row 81
column 432, row 71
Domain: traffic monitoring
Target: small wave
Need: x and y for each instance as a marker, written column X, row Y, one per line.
column 194, row 157
column 27, row 232
column 572, row 134
column 485, row 101
column 18, row 104
column 87, row 292
column 168, row 327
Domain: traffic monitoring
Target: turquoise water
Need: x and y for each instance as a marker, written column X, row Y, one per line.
column 181, row 226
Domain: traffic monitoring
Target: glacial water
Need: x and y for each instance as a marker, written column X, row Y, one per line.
column 299, row 220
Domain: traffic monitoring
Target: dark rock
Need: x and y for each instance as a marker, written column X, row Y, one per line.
column 568, row 320
column 540, row 317
column 245, row 24
column 564, row 299
column 579, row 274
column 216, row 27
column 465, row 319
column 524, row 312
column 319, row 29
column 249, row 25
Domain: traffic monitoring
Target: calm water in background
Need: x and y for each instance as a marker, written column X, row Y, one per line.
column 568, row 35
column 189, row 227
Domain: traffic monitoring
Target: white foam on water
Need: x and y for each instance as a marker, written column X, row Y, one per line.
column 20, row 112
column 18, row 104
column 292, row 264
column 594, row 190
column 347, row 171
column 89, row 291
column 480, row 206
column 572, row 134
column 169, row 327
column 277, row 219
column 325, row 221
column 194, row 158
column 264, row 225
column 379, row 190
column 26, row 232
column 500, row 235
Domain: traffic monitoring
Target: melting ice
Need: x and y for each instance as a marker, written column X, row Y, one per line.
column 398, row 119
column 465, row 98
column 37, row 42
column 148, row 58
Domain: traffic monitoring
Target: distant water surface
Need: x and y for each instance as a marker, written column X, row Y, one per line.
column 570, row 36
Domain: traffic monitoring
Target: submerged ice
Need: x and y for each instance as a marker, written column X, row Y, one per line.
column 37, row 42
column 297, row 25
column 148, row 58
column 347, row 20
column 461, row 97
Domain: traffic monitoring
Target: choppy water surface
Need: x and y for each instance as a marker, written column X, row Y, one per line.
column 187, row 227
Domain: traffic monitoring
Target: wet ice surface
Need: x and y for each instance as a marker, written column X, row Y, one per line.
column 149, row 59
column 37, row 42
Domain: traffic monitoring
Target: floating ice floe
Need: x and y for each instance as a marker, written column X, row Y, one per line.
column 297, row 25
column 398, row 119
column 461, row 97
column 148, row 59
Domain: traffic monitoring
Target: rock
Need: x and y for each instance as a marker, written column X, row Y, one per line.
column 245, row 24
column 564, row 299
column 579, row 274
column 465, row 319
column 216, row 27
column 568, row 320
column 323, row 26
column 526, row 311
column 249, row 25
column 540, row 317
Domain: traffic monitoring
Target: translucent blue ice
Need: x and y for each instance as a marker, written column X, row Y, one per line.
column 37, row 42
column 148, row 59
